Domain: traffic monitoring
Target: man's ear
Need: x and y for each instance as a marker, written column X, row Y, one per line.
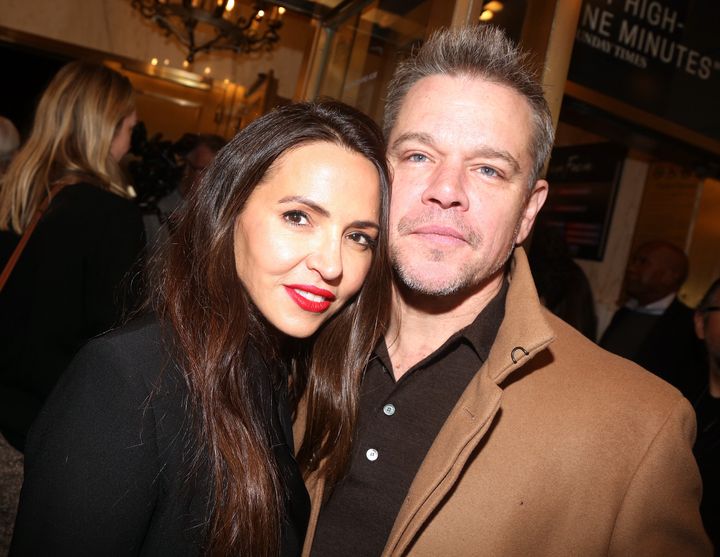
column 533, row 204
column 699, row 322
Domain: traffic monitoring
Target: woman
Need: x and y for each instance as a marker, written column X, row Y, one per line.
column 172, row 436
column 65, row 287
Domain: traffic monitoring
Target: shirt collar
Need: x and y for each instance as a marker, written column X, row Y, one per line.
column 657, row 307
column 480, row 334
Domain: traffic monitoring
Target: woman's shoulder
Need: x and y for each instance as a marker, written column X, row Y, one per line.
column 137, row 354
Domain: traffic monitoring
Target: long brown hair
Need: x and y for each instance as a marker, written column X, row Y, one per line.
column 214, row 324
column 76, row 120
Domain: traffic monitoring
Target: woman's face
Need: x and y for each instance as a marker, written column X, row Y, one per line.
column 303, row 243
column 121, row 142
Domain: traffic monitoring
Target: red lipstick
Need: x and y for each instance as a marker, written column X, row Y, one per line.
column 315, row 306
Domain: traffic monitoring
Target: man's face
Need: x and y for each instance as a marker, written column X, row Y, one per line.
column 461, row 169
column 707, row 328
column 649, row 275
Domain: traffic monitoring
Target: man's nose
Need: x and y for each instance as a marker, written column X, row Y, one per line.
column 447, row 187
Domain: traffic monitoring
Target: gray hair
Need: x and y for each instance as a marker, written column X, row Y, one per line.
column 482, row 51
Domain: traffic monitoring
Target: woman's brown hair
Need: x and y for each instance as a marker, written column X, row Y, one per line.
column 214, row 324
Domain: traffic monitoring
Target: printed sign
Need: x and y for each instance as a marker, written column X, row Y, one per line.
column 583, row 182
column 662, row 56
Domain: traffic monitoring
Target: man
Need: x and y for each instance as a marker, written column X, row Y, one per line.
column 487, row 426
column 707, row 406
column 654, row 329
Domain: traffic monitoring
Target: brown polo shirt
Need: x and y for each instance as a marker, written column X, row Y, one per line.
column 397, row 424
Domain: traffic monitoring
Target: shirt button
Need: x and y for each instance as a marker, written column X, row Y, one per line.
column 389, row 409
column 371, row 455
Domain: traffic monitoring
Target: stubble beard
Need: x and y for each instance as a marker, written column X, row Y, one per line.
column 468, row 276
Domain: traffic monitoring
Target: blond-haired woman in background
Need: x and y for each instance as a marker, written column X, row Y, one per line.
column 65, row 287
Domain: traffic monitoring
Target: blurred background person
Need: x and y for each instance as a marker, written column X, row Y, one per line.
column 10, row 458
column 654, row 328
column 165, row 172
column 66, row 285
column 706, row 402
column 9, row 142
column 562, row 285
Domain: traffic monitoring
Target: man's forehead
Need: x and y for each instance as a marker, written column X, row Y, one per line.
column 467, row 110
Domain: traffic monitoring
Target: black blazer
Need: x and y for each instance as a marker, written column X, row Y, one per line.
column 671, row 350
column 65, row 289
column 107, row 462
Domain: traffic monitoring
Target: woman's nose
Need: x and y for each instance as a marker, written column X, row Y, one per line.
column 326, row 259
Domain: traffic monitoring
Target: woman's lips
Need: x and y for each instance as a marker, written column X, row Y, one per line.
column 310, row 298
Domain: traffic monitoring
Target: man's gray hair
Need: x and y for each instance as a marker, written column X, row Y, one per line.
column 482, row 51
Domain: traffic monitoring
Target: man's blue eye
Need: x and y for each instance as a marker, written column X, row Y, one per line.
column 487, row 171
column 417, row 157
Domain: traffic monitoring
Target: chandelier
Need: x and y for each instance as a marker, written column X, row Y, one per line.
column 205, row 25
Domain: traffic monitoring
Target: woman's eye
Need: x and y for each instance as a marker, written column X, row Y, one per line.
column 362, row 239
column 297, row 218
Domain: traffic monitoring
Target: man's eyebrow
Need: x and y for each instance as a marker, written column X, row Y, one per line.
column 307, row 202
column 490, row 152
column 480, row 151
column 413, row 136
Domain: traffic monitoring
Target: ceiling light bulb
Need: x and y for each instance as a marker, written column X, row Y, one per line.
column 487, row 15
column 494, row 6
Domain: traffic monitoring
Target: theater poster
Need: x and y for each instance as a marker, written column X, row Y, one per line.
column 583, row 185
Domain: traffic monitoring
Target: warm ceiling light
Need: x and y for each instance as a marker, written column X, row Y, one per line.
column 166, row 62
column 207, row 70
column 494, row 6
column 203, row 26
column 154, row 61
column 487, row 15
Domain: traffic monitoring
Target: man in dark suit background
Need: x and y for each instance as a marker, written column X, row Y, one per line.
column 707, row 408
column 654, row 328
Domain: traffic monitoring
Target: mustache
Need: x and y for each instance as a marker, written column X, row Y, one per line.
column 407, row 225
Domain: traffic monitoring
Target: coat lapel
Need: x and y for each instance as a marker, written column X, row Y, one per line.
column 523, row 333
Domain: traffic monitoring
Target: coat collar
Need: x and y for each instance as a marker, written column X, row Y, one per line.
column 523, row 333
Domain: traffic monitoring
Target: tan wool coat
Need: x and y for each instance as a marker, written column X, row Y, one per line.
column 556, row 448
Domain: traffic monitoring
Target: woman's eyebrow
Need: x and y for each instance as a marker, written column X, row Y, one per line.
column 365, row 224
column 307, row 202
column 324, row 212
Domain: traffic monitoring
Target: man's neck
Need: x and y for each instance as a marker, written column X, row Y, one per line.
column 420, row 324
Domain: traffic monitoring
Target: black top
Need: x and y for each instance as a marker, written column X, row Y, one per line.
column 107, row 462
column 65, row 289
column 398, row 422
column 707, row 453
column 665, row 345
